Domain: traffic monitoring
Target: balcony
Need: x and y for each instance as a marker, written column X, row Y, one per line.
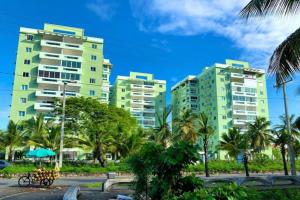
column 238, row 93
column 142, row 87
column 251, row 103
column 149, row 110
column 239, row 112
column 63, row 45
column 234, row 102
column 44, row 106
column 236, row 75
column 59, row 68
column 55, row 56
column 55, row 93
column 239, row 122
column 43, row 80
column 141, row 102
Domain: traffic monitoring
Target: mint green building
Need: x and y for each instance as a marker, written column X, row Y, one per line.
column 231, row 94
column 142, row 95
column 49, row 57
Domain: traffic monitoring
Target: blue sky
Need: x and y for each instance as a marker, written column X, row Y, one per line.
column 170, row 39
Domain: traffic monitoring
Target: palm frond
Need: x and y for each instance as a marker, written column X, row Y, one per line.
column 264, row 7
column 285, row 60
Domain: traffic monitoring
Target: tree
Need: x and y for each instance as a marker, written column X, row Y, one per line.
column 35, row 126
column 98, row 126
column 231, row 142
column 205, row 131
column 285, row 61
column 259, row 134
column 185, row 127
column 14, row 137
column 163, row 134
column 280, row 139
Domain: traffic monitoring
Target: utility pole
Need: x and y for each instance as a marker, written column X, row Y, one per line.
column 62, row 130
column 288, row 126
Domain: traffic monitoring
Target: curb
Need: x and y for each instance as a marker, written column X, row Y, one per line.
column 72, row 193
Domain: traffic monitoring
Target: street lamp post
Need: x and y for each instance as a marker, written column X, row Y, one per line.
column 62, row 131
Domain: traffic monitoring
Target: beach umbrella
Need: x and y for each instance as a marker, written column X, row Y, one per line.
column 40, row 153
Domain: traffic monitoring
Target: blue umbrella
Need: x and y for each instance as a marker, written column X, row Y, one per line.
column 40, row 153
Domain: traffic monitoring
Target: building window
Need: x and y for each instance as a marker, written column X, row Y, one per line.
column 27, row 62
column 21, row 113
column 223, row 98
column 122, row 106
column 104, row 77
column 160, row 93
column 23, row 100
column 261, row 93
column 123, row 90
column 94, row 46
column 104, row 95
column 224, row 127
column 29, row 37
column 93, row 57
column 28, row 49
column 123, row 98
column 262, row 101
column 92, row 80
column 263, row 110
column 93, row 69
column 160, row 86
column 25, row 74
column 224, row 117
column 222, row 79
column 24, row 87
column 92, row 93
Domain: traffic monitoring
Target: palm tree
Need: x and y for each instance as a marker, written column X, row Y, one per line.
column 285, row 61
column 14, row 137
column 258, row 133
column 280, row 138
column 163, row 134
column 231, row 142
column 185, row 127
column 36, row 126
column 205, row 131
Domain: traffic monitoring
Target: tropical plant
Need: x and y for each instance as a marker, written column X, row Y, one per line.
column 231, row 142
column 35, row 126
column 259, row 134
column 285, row 61
column 163, row 134
column 158, row 170
column 185, row 127
column 14, row 137
column 280, row 138
column 205, row 131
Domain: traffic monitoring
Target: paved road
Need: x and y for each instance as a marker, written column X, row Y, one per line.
column 9, row 189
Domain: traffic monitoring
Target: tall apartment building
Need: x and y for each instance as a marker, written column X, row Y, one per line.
column 48, row 58
column 142, row 95
column 231, row 94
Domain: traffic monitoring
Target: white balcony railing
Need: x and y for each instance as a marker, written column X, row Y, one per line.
column 63, row 45
column 43, row 106
column 59, row 68
column 56, row 56
column 55, row 81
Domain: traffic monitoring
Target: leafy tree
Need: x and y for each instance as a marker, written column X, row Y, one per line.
column 185, row 127
column 285, row 60
column 259, row 134
column 35, row 126
column 280, row 138
column 98, row 126
column 231, row 142
column 14, row 137
column 205, row 131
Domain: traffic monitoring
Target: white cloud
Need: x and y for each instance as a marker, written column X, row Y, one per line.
column 257, row 37
column 102, row 8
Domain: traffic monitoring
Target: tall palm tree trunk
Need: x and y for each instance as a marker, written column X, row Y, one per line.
column 245, row 161
column 206, row 156
column 282, row 150
column 99, row 152
column 10, row 153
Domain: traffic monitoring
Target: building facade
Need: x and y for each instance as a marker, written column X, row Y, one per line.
column 231, row 94
column 48, row 58
column 142, row 95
